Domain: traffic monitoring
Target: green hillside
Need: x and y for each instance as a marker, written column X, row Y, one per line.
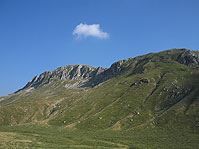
column 141, row 102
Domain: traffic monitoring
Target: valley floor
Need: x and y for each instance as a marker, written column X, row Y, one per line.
column 31, row 136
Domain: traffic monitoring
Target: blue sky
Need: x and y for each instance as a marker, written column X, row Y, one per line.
column 38, row 35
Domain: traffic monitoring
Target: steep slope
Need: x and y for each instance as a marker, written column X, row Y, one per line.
column 154, row 90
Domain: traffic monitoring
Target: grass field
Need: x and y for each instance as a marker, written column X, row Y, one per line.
column 32, row 136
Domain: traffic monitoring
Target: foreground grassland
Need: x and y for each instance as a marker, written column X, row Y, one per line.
column 29, row 136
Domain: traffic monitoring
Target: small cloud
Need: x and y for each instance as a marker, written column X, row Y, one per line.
column 85, row 30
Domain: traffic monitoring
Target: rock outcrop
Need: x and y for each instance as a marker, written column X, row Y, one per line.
column 70, row 72
column 105, row 74
column 190, row 58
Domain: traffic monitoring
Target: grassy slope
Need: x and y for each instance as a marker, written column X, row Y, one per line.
column 169, row 100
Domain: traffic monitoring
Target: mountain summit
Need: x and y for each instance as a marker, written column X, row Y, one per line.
column 71, row 72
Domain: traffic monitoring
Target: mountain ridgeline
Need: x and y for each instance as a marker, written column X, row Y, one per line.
column 81, row 73
column 71, row 72
column 153, row 90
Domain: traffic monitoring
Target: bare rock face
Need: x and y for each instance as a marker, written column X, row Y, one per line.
column 105, row 74
column 70, row 72
column 117, row 67
column 189, row 58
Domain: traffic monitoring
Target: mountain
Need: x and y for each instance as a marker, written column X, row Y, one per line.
column 153, row 90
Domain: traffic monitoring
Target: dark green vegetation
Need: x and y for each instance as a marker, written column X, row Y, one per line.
column 150, row 101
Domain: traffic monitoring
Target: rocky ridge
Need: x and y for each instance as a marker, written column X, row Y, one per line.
column 92, row 76
column 86, row 75
column 70, row 72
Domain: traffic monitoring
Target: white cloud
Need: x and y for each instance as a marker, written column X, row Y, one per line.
column 85, row 30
